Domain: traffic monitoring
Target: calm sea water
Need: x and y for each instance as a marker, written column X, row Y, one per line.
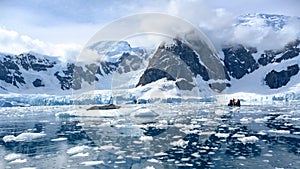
column 187, row 135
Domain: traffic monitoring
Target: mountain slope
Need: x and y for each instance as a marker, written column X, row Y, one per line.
column 183, row 66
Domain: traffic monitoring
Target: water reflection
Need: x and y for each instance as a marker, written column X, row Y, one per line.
column 206, row 138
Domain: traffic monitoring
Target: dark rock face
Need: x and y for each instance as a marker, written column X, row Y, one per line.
column 74, row 75
column 290, row 51
column 190, row 58
column 239, row 61
column 174, row 63
column 129, row 63
column 276, row 79
column 10, row 71
column 38, row 83
column 152, row 75
column 29, row 61
column 10, row 66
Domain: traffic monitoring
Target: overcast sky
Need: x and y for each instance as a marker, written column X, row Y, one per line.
column 69, row 24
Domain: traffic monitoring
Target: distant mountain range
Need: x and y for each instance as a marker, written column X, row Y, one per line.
column 189, row 65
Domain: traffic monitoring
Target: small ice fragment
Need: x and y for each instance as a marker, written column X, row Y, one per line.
column 222, row 135
column 91, row 163
column 196, row 154
column 152, row 160
column 268, row 155
column 81, row 155
column 241, row 157
column 246, row 120
column 279, row 131
column 109, row 147
column 250, row 139
column 12, row 156
column 59, row 139
column 146, row 138
column 236, row 135
column 144, row 112
column 179, row 143
column 262, row 132
column 149, row 167
column 77, row 149
column 18, row 161
column 9, row 138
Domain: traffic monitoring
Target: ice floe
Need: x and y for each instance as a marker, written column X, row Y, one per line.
column 179, row 143
column 77, row 149
column 146, row 138
column 91, row 163
column 23, row 137
column 19, row 160
column 59, row 139
column 248, row 140
column 144, row 112
column 12, row 156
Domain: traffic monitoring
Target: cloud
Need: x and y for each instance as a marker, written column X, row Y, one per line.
column 220, row 24
column 59, row 25
column 215, row 23
column 15, row 43
column 260, row 35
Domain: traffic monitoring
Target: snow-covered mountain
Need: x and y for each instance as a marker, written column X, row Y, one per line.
column 182, row 66
column 274, row 21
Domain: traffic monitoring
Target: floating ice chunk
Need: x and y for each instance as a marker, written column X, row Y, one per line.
column 29, row 136
column 18, row 161
column 28, row 168
column 241, row 157
column 197, row 155
column 250, row 139
column 91, row 163
column 262, row 132
column 77, row 149
column 109, row 147
column 23, row 137
column 160, row 154
column 207, row 133
column 81, row 155
column 268, row 155
column 280, row 131
column 8, row 138
column 261, row 120
column 144, row 112
column 66, row 114
column 59, row 139
column 179, row 143
column 236, row 135
column 222, row 135
column 152, row 160
column 149, row 167
column 245, row 120
column 12, row 156
column 146, row 138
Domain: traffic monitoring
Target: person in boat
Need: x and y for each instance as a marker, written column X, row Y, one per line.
column 234, row 102
column 231, row 102
column 238, row 103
